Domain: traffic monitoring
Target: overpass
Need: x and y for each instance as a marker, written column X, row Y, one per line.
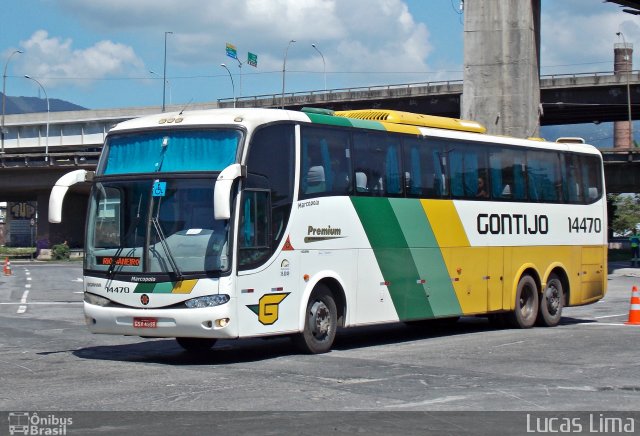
column 27, row 173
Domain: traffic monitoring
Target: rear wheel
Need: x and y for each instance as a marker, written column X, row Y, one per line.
column 196, row 345
column 320, row 323
column 526, row 310
column 551, row 303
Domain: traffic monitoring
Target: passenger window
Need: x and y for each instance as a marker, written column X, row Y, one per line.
column 377, row 164
column 507, row 173
column 592, row 178
column 543, row 176
column 425, row 170
column 325, row 163
column 468, row 172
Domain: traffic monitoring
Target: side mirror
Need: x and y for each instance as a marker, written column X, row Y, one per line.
column 222, row 190
column 60, row 190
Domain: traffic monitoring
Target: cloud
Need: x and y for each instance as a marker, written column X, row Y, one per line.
column 54, row 61
column 355, row 35
column 579, row 37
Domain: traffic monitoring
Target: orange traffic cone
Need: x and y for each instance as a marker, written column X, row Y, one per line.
column 7, row 267
column 634, row 310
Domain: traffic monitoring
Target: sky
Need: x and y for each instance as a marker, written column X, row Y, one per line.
column 100, row 53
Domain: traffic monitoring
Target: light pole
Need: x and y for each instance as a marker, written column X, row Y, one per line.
column 324, row 65
column 166, row 81
column 164, row 75
column 46, row 148
column 284, row 68
column 629, row 63
column 233, row 87
column 4, row 90
column 240, row 66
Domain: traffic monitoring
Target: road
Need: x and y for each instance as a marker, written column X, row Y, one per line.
column 49, row 361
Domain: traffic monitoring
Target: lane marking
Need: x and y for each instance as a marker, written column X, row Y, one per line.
column 25, row 294
column 28, row 278
column 78, row 280
column 78, row 292
column 605, row 323
column 21, row 310
column 27, row 286
column 609, row 316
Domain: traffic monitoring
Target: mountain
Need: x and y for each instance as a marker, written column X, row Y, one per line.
column 25, row 105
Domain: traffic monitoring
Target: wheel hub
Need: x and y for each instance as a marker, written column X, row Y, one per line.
column 320, row 320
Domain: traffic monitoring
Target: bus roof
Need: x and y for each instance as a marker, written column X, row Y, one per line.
column 374, row 119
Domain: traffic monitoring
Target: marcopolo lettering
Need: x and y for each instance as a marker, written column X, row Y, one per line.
column 512, row 224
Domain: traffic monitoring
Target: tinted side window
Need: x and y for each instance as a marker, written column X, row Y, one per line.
column 468, row 172
column 543, row 176
column 507, row 173
column 325, row 163
column 377, row 164
column 424, row 169
column 591, row 178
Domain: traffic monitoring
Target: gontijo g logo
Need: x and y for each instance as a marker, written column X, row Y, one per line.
column 268, row 307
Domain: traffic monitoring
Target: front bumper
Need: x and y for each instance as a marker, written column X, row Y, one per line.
column 171, row 323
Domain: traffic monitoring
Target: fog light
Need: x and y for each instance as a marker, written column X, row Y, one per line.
column 222, row 322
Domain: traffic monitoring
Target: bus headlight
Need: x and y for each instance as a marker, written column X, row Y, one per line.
column 207, row 301
column 95, row 299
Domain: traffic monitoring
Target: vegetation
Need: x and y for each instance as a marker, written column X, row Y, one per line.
column 16, row 251
column 60, row 252
column 627, row 214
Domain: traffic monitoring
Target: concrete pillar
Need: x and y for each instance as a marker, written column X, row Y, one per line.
column 622, row 65
column 501, row 65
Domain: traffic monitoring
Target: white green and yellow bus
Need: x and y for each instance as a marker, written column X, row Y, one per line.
column 235, row 223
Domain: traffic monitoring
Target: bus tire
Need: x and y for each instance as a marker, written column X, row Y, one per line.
column 196, row 345
column 526, row 310
column 551, row 303
column 320, row 323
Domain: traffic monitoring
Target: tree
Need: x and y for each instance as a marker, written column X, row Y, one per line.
column 627, row 215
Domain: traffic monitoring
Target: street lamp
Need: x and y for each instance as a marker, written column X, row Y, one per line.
column 233, row 87
column 629, row 63
column 240, row 66
column 324, row 66
column 46, row 148
column 4, row 90
column 166, row 81
column 284, row 68
column 164, row 76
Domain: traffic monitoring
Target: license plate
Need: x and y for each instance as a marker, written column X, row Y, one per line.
column 145, row 323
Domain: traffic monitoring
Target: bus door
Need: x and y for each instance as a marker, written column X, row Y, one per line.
column 264, row 283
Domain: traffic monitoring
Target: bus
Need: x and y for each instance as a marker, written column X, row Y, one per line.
column 234, row 223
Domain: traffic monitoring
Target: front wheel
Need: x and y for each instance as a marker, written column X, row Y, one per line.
column 526, row 311
column 196, row 345
column 551, row 303
column 320, row 323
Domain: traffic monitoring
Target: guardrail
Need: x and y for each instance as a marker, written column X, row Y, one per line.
column 334, row 94
column 82, row 159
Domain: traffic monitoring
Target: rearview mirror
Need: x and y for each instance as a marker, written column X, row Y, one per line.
column 60, row 190
column 222, row 191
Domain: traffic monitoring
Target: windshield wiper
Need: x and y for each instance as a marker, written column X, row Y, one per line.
column 165, row 247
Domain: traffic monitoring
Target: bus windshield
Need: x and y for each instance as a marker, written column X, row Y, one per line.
column 153, row 225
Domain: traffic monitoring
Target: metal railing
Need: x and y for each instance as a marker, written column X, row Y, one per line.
column 79, row 159
column 414, row 88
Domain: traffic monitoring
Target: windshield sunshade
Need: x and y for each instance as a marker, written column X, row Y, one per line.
column 170, row 151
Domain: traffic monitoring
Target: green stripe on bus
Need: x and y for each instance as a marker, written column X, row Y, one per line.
column 394, row 257
column 427, row 256
column 154, row 288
